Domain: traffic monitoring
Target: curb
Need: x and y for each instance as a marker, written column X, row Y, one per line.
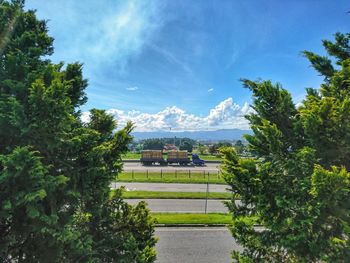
column 199, row 225
column 210, row 161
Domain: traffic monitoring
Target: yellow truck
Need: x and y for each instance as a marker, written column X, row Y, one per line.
column 150, row 157
column 180, row 157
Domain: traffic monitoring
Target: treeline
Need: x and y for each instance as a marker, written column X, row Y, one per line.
column 186, row 144
column 160, row 143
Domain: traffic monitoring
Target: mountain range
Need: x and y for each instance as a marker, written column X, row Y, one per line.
column 217, row 135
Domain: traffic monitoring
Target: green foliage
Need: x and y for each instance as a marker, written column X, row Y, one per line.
column 55, row 171
column 202, row 149
column 215, row 148
column 298, row 188
column 134, row 226
column 153, row 144
column 239, row 147
column 186, row 146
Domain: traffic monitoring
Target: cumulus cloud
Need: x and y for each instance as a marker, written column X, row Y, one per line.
column 210, row 90
column 226, row 115
column 85, row 117
column 299, row 104
column 223, row 112
column 132, row 88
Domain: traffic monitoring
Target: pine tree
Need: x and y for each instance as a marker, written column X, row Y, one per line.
column 298, row 188
column 55, row 171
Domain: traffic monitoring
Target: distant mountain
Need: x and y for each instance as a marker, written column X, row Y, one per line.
column 218, row 135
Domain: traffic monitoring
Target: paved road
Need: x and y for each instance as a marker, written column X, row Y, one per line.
column 162, row 187
column 209, row 167
column 194, row 245
column 182, row 205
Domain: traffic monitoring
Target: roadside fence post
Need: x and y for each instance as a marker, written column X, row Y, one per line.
column 147, row 173
column 189, row 174
column 204, row 174
column 161, row 173
column 132, row 174
column 176, row 174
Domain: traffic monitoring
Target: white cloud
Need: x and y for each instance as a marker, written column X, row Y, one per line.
column 226, row 114
column 223, row 112
column 85, row 117
column 299, row 104
column 132, row 88
column 210, row 90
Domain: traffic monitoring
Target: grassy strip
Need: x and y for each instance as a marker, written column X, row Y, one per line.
column 179, row 177
column 210, row 157
column 188, row 218
column 131, row 156
column 173, row 195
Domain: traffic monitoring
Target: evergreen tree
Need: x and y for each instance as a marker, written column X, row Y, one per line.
column 239, row 147
column 298, row 188
column 55, row 171
column 186, row 146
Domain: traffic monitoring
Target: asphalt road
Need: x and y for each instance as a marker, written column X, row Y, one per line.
column 182, row 205
column 171, row 187
column 194, row 245
column 137, row 166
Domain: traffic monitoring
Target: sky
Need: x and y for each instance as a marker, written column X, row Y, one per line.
column 177, row 65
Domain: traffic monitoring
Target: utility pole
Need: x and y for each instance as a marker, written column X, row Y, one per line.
column 206, row 196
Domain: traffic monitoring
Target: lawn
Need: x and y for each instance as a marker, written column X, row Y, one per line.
column 188, row 218
column 131, row 156
column 210, row 157
column 171, row 177
column 173, row 195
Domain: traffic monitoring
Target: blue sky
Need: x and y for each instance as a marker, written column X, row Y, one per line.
column 177, row 64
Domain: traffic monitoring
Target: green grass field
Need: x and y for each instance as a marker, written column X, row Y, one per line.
column 173, row 195
column 137, row 156
column 187, row 218
column 209, row 157
column 171, row 177
column 131, row 156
